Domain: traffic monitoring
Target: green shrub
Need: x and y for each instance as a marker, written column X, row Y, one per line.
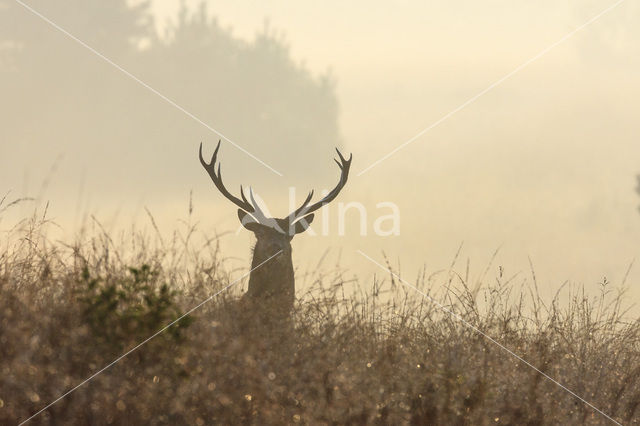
column 132, row 307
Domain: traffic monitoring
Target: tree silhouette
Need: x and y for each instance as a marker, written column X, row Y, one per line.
column 59, row 98
column 252, row 90
column 114, row 28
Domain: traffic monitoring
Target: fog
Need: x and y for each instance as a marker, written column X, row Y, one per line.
column 542, row 166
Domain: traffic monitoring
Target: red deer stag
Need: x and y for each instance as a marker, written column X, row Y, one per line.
column 273, row 283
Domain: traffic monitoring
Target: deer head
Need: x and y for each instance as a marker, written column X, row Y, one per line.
column 275, row 279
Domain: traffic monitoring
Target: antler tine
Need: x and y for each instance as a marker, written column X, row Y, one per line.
column 260, row 215
column 204, row 163
column 304, row 209
column 242, row 195
column 342, row 159
column 217, row 180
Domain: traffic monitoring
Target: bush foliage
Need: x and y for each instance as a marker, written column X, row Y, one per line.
column 375, row 355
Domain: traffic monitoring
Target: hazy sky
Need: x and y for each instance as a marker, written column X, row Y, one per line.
column 543, row 165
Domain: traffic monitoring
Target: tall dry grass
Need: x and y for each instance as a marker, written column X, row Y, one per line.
column 375, row 355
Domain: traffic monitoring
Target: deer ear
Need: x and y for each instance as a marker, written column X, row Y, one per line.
column 302, row 224
column 248, row 221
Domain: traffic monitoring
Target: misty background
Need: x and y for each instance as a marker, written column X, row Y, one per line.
column 542, row 167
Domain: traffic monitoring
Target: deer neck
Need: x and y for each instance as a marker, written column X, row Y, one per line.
column 272, row 277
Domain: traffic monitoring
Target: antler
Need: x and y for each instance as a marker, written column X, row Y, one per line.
column 217, row 180
column 305, row 208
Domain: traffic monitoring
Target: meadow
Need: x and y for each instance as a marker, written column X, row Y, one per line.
column 354, row 352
